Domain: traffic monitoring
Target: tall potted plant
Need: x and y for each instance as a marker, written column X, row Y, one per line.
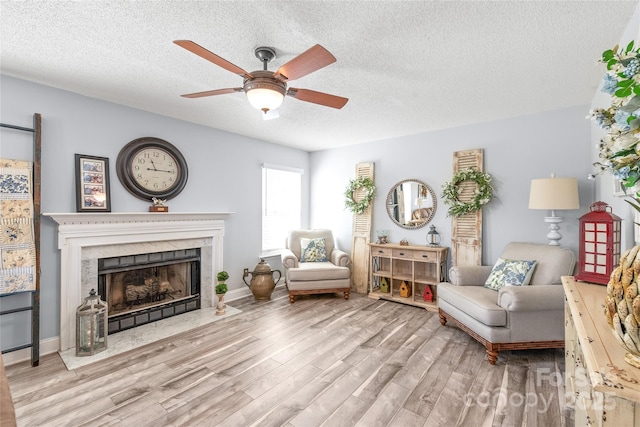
column 221, row 289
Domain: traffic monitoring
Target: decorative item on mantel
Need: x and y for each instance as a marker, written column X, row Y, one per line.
column 262, row 283
column 158, row 206
column 91, row 326
column 622, row 304
column 221, row 289
column 599, row 246
column 433, row 237
column 404, row 242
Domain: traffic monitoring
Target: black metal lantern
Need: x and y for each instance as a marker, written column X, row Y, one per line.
column 433, row 237
column 91, row 326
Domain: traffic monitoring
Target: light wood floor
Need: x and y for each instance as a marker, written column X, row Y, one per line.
column 319, row 361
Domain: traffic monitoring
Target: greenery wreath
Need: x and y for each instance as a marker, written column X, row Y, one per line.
column 451, row 191
column 355, row 184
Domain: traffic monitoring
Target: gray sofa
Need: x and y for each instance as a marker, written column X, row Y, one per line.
column 304, row 278
column 515, row 317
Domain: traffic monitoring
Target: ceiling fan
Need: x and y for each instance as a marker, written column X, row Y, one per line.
column 265, row 89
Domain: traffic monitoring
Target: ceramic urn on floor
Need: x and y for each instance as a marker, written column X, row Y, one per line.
column 262, row 283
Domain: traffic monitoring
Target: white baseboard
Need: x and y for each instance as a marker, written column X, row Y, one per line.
column 243, row 292
column 235, row 294
column 47, row 346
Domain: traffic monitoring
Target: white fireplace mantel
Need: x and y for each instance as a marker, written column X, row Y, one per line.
column 77, row 224
column 82, row 232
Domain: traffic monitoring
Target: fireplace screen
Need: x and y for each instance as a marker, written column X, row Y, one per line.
column 145, row 288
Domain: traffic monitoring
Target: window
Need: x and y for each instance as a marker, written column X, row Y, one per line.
column 281, row 199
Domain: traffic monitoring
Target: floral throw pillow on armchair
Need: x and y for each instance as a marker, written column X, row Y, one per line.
column 313, row 250
column 510, row 272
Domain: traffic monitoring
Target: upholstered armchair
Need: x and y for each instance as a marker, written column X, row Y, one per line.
column 510, row 310
column 313, row 264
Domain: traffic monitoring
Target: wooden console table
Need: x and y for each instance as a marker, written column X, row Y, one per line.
column 603, row 388
column 417, row 266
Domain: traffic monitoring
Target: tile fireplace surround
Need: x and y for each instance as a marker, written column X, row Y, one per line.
column 83, row 238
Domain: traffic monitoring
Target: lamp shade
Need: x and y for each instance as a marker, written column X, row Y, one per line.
column 554, row 193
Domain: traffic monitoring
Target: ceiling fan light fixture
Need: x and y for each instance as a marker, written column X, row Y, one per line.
column 265, row 99
column 264, row 92
column 265, row 89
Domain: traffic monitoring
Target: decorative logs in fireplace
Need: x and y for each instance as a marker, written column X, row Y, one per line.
column 152, row 290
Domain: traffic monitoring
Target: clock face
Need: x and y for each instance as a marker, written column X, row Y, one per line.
column 151, row 167
column 154, row 169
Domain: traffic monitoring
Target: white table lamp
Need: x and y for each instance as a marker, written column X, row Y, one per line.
column 554, row 194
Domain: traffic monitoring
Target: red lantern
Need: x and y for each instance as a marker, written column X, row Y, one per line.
column 599, row 244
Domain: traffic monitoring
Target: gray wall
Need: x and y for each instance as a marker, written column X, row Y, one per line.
column 224, row 172
column 516, row 150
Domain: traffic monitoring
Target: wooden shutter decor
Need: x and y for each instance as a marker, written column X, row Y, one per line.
column 466, row 230
column 361, row 236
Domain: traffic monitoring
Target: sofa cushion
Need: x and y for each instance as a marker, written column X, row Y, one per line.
column 476, row 301
column 309, row 271
column 510, row 272
column 313, row 250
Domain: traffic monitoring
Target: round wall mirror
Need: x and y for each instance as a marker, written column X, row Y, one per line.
column 411, row 204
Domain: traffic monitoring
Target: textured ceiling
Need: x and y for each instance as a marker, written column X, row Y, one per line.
column 407, row 67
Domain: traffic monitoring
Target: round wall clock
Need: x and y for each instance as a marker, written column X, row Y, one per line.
column 151, row 167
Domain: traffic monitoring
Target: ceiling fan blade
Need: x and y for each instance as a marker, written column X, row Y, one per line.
column 212, row 57
column 306, row 63
column 212, row 92
column 325, row 99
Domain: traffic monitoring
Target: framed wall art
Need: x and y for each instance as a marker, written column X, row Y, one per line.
column 92, row 184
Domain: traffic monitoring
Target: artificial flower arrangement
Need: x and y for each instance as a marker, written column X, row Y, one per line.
column 619, row 149
column 620, row 155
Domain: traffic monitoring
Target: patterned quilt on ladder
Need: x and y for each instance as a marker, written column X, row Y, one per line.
column 17, row 245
